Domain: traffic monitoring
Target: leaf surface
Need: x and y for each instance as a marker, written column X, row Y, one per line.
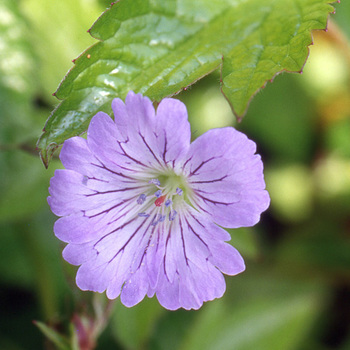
column 159, row 47
column 261, row 325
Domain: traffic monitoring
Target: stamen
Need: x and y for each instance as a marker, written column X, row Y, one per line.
column 158, row 193
column 141, row 199
column 159, row 201
column 154, row 182
column 172, row 215
column 179, row 191
column 154, row 221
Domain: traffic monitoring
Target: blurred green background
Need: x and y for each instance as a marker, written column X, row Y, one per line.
column 295, row 293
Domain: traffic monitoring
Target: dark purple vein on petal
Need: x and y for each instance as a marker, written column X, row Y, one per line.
column 165, row 148
column 111, row 208
column 212, row 201
column 195, row 233
column 113, row 231
column 184, row 165
column 200, row 165
column 150, row 149
column 147, row 244
column 196, row 205
column 129, row 240
column 133, row 159
column 114, row 172
column 166, row 249
column 183, row 242
column 115, row 191
column 208, row 181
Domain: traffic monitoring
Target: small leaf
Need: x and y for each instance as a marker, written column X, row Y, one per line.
column 61, row 342
column 159, row 47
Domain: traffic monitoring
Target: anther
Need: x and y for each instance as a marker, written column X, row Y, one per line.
column 144, row 215
column 154, row 221
column 179, row 191
column 141, row 199
column 158, row 193
column 168, row 202
column 154, row 182
column 172, row 215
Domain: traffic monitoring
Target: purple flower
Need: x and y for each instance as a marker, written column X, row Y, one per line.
column 141, row 207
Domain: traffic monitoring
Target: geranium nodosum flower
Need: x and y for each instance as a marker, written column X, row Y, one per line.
column 141, row 207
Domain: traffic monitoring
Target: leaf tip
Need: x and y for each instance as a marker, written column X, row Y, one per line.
column 46, row 152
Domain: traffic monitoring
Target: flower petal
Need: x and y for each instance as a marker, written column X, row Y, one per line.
column 163, row 138
column 191, row 275
column 155, row 256
column 135, row 289
column 136, row 115
column 71, row 194
column 136, row 122
column 95, row 277
column 106, row 143
column 173, row 131
column 77, row 254
column 68, row 192
column 226, row 178
column 76, row 155
column 117, row 257
column 205, row 242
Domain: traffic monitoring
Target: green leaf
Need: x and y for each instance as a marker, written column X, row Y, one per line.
column 61, row 342
column 159, row 47
column 133, row 327
column 16, row 65
column 22, row 175
column 15, row 62
column 23, row 179
column 58, row 33
column 270, row 324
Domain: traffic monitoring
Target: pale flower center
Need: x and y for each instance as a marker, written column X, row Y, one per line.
column 165, row 194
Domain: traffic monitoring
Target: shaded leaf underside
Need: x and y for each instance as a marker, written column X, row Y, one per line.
column 159, row 47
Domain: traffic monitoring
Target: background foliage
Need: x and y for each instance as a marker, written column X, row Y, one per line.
column 295, row 292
